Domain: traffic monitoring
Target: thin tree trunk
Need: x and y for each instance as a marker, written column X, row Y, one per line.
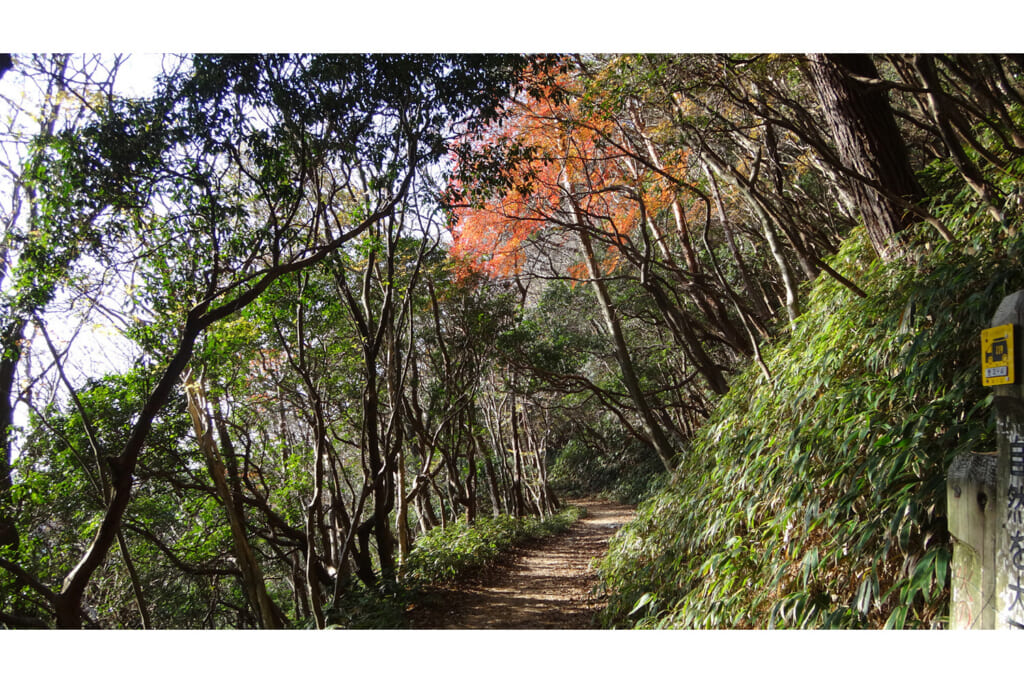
column 770, row 236
column 402, row 513
column 313, row 511
column 754, row 293
column 133, row 574
column 492, row 480
column 11, row 354
column 677, row 210
column 651, row 427
column 471, row 481
column 251, row 573
column 519, row 504
column 942, row 113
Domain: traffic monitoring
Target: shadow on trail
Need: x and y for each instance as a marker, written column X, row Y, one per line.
column 545, row 586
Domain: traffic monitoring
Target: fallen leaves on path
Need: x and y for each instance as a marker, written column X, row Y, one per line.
column 546, row 585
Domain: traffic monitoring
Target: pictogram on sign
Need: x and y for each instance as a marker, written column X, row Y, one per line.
column 997, row 356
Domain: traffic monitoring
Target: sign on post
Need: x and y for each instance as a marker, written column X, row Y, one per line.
column 988, row 548
column 998, row 360
column 997, row 356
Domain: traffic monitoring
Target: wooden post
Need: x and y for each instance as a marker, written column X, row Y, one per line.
column 971, row 501
column 1009, row 507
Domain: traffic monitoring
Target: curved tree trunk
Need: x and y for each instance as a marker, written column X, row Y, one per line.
column 650, row 424
column 252, row 575
column 943, row 114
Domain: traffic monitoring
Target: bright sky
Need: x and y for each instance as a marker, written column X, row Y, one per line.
column 136, row 76
column 520, row 26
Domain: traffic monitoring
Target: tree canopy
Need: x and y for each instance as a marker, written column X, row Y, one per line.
column 364, row 300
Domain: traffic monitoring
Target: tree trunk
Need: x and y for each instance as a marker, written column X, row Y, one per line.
column 519, row 504
column 11, row 350
column 252, row 576
column 712, row 163
column 869, row 143
column 402, row 514
column 755, row 293
column 942, row 113
column 133, row 575
column 677, row 210
column 492, row 481
column 425, row 510
column 471, row 482
column 68, row 605
column 651, row 427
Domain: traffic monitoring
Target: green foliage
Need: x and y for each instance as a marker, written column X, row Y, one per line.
column 587, row 466
column 447, row 554
column 819, row 500
column 59, row 489
column 443, row 555
column 360, row 607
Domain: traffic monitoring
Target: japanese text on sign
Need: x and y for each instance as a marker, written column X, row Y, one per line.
column 1015, row 529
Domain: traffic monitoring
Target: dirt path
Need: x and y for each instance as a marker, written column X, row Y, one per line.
column 546, row 585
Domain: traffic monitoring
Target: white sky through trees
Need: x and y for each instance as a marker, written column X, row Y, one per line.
column 92, row 341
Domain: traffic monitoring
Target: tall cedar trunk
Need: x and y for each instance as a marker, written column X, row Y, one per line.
column 869, row 143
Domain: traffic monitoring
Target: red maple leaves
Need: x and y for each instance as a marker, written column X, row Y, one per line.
column 568, row 166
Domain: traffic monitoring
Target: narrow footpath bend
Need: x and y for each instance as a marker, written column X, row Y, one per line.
column 546, row 585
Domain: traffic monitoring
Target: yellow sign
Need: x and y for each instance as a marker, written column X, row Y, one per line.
column 997, row 356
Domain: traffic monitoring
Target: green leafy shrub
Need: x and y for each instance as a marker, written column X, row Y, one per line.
column 818, row 500
column 364, row 608
column 448, row 554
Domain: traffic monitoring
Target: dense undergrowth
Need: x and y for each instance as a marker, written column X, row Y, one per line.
column 818, row 499
column 448, row 554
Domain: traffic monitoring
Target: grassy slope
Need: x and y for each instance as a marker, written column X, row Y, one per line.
column 818, row 500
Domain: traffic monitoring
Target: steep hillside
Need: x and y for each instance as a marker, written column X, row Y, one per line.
column 816, row 498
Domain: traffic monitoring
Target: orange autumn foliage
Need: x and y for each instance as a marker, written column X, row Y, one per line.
column 570, row 148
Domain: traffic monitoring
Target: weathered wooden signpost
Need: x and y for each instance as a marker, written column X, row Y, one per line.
column 986, row 493
column 970, row 494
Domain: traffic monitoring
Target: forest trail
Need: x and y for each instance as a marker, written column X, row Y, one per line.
column 545, row 585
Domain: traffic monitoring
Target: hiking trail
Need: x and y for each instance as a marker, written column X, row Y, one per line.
column 543, row 585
